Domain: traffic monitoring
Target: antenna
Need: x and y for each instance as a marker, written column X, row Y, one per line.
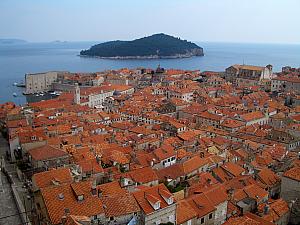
column 243, row 62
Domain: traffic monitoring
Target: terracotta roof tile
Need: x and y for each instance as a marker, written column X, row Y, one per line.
column 248, row 219
column 46, row 152
column 120, row 205
column 142, row 175
column 59, row 198
column 52, row 177
column 233, row 169
column 142, row 197
column 201, row 205
column 184, row 212
column 268, row 177
column 193, row 164
column 293, row 173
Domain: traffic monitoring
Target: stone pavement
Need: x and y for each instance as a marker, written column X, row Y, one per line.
column 9, row 210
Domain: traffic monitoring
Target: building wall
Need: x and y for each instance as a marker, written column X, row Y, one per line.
column 283, row 220
column 292, row 86
column 190, row 222
column 27, row 146
column 276, row 85
column 161, row 216
column 290, row 190
column 124, row 219
column 207, row 219
column 201, row 120
column 39, row 82
column 51, row 163
column 246, row 82
column 129, row 91
column 261, row 121
column 220, row 213
column 98, row 99
column 13, row 145
column 63, row 87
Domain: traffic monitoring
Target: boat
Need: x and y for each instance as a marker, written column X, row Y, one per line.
column 21, row 85
column 15, row 94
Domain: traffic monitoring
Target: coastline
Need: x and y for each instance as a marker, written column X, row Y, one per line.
column 180, row 56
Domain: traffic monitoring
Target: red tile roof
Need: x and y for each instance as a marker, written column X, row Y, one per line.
column 252, row 116
column 155, row 192
column 201, row 204
column 268, row 177
column 233, row 169
column 59, row 198
column 184, row 212
column 248, row 219
column 119, row 205
column 277, row 209
column 164, row 152
column 193, row 164
column 46, row 152
column 52, row 177
column 142, row 175
column 293, row 173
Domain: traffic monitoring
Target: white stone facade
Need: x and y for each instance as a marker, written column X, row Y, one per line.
column 39, row 82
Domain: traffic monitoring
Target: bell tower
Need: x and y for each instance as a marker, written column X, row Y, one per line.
column 77, row 94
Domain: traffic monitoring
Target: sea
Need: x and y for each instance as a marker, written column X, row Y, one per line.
column 18, row 59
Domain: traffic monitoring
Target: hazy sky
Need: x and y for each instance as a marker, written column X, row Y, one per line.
column 274, row 21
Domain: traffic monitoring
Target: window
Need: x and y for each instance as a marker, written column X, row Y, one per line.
column 170, row 200
column 80, row 197
column 210, row 216
column 156, row 206
column 202, row 220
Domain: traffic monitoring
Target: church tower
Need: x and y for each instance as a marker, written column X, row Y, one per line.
column 77, row 94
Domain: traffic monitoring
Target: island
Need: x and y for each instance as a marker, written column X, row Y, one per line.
column 151, row 47
column 11, row 41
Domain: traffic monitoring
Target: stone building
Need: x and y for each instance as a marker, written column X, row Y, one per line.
column 290, row 192
column 247, row 75
column 40, row 82
column 157, row 205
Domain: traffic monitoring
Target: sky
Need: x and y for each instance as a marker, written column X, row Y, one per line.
column 250, row 21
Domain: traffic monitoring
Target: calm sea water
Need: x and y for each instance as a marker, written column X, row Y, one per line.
column 16, row 60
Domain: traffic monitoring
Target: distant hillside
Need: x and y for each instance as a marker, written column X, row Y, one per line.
column 9, row 41
column 155, row 46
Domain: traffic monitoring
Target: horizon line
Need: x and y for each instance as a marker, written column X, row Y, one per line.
column 102, row 41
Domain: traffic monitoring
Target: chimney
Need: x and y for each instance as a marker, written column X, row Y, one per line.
column 63, row 219
column 94, row 188
column 231, row 193
column 209, row 181
column 100, row 193
column 266, row 209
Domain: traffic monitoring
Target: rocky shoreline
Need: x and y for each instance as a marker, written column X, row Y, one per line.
column 179, row 56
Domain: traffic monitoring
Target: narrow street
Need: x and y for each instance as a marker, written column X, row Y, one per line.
column 9, row 214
